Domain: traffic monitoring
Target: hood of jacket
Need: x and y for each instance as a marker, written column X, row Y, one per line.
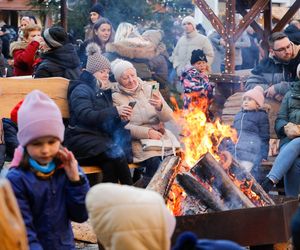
column 85, row 78
column 135, row 47
column 295, row 89
column 127, row 217
column 16, row 46
column 291, row 29
column 64, row 56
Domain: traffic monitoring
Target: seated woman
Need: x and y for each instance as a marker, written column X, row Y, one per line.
column 287, row 127
column 148, row 115
column 95, row 124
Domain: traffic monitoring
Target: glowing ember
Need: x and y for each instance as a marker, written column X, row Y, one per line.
column 175, row 198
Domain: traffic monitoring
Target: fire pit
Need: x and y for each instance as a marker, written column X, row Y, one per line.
column 247, row 226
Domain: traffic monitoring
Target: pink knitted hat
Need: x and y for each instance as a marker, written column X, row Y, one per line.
column 257, row 93
column 39, row 116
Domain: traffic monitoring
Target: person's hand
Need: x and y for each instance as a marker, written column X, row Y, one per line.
column 270, row 92
column 156, row 101
column 38, row 39
column 292, row 130
column 69, row 162
column 153, row 134
column 222, row 42
column 124, row 112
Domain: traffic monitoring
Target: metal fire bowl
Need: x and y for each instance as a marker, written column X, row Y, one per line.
column 248, row 226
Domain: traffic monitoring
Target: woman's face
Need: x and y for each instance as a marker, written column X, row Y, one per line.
column 129, row 79
column 32, row 35
column 102, row 75
column 24, row 22
column 94, row 16
column 103, row 32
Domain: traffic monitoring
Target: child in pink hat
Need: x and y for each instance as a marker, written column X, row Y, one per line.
column 49, row 185
column 252, row 125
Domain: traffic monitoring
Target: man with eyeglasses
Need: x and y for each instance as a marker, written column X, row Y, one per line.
column 275, row 72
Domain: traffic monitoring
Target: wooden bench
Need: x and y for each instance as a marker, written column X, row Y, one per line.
column 13, row 89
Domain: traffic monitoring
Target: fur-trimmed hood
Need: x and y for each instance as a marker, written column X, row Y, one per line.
column 135, row 47
column 16, row 46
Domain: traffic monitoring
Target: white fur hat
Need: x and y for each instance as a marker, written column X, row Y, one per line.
column 119, row 66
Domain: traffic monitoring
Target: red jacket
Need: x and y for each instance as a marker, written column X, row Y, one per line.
column 24, row 55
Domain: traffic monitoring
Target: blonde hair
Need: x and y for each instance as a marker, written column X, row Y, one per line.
column 29, row 28
column 124, row 30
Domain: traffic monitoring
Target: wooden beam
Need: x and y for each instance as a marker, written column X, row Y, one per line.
column 212, row 17
column 241, row 8
column 63, row 14
column 287, row 17
column 249, row 18
column 230, row 27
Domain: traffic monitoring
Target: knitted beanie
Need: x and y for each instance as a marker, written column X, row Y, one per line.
column 96, row 8
column 198, row 55
column 39, row 116
column 55, row 37
column 14, row 112
column 189, row 19
column 154, row 36
column 257, row 93
column 96, row 61
column 119, row 66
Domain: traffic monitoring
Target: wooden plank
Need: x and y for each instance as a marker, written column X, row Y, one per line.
column 12, row 90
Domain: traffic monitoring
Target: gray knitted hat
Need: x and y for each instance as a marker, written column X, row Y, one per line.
column 96, row 61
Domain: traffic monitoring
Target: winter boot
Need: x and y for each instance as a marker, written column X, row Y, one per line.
column 267, row 184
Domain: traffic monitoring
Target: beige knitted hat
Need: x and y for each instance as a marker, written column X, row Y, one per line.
column 96, row 61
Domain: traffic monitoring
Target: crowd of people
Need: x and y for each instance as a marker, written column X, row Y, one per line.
column 115, row 112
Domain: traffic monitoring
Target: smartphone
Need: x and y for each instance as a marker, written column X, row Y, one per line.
column 155, row 88
column 132, row 104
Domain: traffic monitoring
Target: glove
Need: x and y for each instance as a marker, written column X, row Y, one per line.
column 292, row 130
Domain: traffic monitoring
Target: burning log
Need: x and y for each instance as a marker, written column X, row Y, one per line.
column 239, row 170
column 195, row 189
column 164, row 176
column 192, row 206
column 208, row 169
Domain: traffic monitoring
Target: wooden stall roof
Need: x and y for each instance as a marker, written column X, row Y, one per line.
column 15, row 5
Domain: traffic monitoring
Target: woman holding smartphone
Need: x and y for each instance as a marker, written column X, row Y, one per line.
column 148, row 115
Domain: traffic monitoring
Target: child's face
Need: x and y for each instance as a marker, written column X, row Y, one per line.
column 201, row 66
column 102, row 75
column 43, row 149
column 249, row 103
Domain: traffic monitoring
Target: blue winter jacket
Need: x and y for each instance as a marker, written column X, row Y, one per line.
column 253, row 135
column 47, row 206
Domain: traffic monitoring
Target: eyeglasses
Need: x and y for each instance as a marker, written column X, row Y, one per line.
column 284, row 48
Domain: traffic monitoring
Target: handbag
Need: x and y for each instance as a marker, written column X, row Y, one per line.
column 168, row 142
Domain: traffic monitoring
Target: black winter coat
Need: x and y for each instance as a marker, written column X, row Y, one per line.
column 60, row 62
column 95, row 125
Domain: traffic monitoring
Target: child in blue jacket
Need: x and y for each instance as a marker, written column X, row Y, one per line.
column 48, row 183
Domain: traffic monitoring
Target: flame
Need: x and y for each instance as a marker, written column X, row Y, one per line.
column 175, row 198
column 200, row 135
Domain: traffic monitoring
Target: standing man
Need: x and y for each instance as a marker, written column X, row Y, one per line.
column 275, row 72
column 191, row 40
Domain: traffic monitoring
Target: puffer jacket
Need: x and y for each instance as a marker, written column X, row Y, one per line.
column 253, row 135
column 48, row 206
column 95, row 124
column 289, row 112
column 60, row 62
column 129, row 218
column 144, row 116
column 271, row 71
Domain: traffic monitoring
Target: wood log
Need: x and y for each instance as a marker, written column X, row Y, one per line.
column 12, row 229
column 256, row 187
column 208, row 169
column 192, row 206
column 164, row 176
column 193, row 188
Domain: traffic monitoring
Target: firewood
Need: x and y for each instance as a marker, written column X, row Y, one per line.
column 209, row 169
column 164, row 176
column 12, row 229
column 256, row 187
column 193, row 188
